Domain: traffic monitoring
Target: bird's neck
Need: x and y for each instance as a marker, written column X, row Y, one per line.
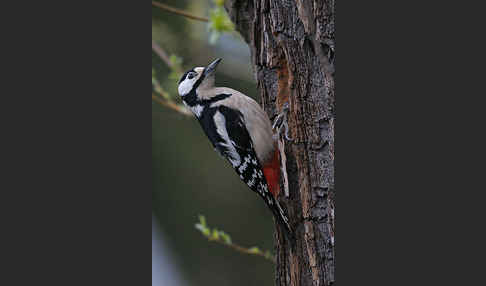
column 204, row 97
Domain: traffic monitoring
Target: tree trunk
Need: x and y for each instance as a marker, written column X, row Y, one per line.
column 292, row 49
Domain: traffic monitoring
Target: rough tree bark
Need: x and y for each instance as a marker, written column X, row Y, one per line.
column 292, row 49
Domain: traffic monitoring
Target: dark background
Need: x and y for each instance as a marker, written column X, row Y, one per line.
column 189, row 178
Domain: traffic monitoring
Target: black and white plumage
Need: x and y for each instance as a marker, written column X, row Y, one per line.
column 238, row 128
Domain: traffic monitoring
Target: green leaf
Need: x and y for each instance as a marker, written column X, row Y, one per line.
column 200, row 227
column 219, row 23
column 225, row 237
column 203, row 229
column 202, row 220
column 219, row 3
column 254, row 250
column 175, row 60
column 215, row 235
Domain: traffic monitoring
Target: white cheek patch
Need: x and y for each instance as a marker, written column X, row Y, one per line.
column 186, row 86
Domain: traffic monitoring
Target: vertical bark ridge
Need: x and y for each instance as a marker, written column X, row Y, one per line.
column 292, row 49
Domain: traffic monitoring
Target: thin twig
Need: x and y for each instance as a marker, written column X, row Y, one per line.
column 244, row 250
column 179, row 12
column 171, row 105
column 160, row 90
column 167, row 102
column 161, row 53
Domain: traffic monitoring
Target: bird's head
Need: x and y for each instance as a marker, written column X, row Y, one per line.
column 197, row 78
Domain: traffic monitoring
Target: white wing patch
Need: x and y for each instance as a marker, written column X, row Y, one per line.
column 220, row 123
column 197, row 110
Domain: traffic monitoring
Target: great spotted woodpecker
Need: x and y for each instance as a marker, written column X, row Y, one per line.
column 240, row 131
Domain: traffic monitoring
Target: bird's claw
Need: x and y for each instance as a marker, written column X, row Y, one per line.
column 281, row 121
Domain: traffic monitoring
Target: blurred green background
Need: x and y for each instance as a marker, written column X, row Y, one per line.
column 189, row 178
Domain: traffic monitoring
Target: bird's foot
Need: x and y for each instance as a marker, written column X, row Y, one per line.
column 280, row 123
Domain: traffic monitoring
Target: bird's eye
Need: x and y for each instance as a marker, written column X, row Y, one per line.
column 191, row 75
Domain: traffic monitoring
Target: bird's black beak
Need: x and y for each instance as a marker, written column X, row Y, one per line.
column 212, row 67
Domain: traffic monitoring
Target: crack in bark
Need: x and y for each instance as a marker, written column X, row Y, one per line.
column 292, row 49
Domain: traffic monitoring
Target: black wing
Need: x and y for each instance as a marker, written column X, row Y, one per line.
column 247, row 167
column 245, row 162
column 225, row 128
